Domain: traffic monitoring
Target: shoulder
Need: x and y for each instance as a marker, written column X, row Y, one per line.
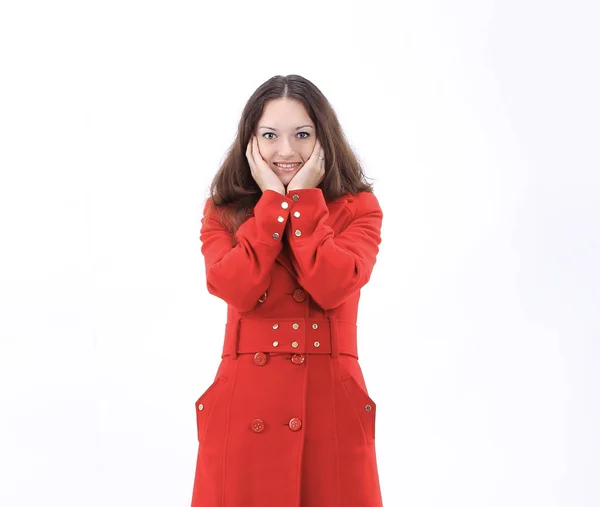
column 216, row 212
column 362, row 202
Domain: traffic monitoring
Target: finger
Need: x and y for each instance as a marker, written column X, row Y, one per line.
column 315, row 154
column 249, row 151
column 250, row 157
column 257, row 149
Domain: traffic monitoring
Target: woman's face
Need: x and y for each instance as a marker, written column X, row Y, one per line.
column 286, row 135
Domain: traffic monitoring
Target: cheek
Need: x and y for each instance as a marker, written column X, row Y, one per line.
column 308, row 149
column 264, row 148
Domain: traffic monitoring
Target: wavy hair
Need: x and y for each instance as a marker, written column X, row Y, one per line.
column 233, row 188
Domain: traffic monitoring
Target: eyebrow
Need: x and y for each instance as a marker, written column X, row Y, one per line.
column 297, row 128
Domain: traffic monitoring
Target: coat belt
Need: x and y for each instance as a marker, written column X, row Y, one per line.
column 314, row 335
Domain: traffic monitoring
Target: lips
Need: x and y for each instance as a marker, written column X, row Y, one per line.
column 288, row 169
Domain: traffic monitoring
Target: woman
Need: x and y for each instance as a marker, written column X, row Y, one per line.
column 289, row 236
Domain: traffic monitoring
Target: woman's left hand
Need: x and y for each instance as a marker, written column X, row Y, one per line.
column 312, row 172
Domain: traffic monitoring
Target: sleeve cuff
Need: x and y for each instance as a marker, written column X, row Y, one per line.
column 309, row 210
column 271, row 214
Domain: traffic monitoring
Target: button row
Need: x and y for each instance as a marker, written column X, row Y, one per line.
column 297, row 232
column 260, row 359
column 281, row 219
column 299, row 295
column 295, row 325
column 295, row 422
column 295, row 344
column 258, row 425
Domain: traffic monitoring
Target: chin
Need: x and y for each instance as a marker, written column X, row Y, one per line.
column 285, row 179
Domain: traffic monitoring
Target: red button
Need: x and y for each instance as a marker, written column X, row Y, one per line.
column 297, row 358
column 299, row 295
column 257, row 425
column 260, row 358
column 295, row 424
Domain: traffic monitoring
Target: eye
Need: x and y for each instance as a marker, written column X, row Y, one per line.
column 272, row 134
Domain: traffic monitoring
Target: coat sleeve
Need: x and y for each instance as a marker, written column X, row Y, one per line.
column 332, row 268
column 240, row 274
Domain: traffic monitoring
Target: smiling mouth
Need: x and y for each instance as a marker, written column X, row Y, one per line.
column 287, row 167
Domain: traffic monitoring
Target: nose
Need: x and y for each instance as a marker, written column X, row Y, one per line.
column 285, row 149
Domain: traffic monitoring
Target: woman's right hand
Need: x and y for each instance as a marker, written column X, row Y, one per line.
column 264, row 176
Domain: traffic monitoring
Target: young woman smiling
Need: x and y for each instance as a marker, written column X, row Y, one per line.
column 290, row 234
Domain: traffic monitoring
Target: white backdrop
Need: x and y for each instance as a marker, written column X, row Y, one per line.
column 479, row 330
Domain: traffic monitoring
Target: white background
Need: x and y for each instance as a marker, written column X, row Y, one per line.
column 479, row 330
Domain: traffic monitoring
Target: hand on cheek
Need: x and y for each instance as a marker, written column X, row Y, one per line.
column 312, row 173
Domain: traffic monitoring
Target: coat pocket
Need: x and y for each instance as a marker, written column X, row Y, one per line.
column 206, row 403
column 363, row 405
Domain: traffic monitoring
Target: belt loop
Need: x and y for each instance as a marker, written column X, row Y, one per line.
column 232, row 337
column 236, row 340
column 333, row 332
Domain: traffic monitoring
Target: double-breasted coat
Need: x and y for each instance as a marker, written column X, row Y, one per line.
column 288, row 420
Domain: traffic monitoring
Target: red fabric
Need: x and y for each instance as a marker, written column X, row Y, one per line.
column 288, row 420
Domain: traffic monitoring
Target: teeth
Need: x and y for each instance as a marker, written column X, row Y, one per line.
column 286, row 166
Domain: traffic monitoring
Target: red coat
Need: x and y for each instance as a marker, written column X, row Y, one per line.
column 288, row 421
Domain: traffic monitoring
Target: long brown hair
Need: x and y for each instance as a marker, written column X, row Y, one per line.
column 234, row 187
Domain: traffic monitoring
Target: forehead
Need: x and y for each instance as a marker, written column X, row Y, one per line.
column 284, row 112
